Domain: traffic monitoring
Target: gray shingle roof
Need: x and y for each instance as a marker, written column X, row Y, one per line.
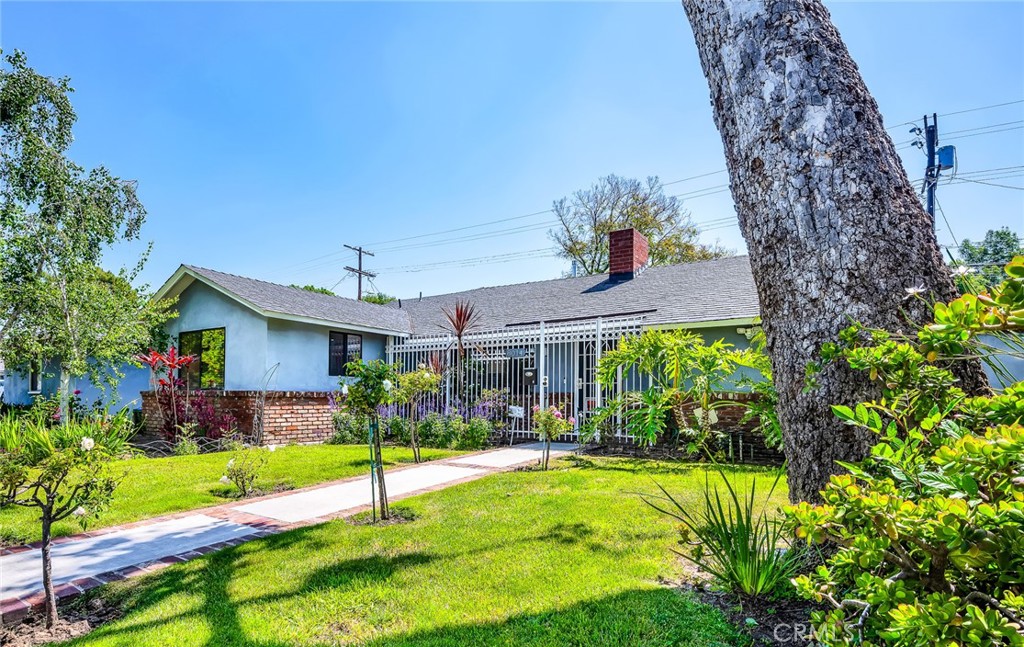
column 687, row 293
column 271, row 297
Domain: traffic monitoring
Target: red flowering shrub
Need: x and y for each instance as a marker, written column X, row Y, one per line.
column 179, row 407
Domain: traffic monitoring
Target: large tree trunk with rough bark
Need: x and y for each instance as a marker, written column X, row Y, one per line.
column 834, row 229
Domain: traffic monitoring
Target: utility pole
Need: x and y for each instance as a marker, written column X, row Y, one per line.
column 931, row 173
column 359, row 271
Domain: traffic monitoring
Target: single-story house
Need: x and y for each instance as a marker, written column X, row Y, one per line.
column 539, row 341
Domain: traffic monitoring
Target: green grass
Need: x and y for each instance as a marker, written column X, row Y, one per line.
column 558, row 558
column 155, row 486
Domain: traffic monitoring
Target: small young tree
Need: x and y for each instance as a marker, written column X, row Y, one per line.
column 61, row 471
column 373, row 388
column 550, row 423
column 412, row 387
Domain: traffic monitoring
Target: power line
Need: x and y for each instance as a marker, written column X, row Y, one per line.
column 1001, row 186
column 391, row 245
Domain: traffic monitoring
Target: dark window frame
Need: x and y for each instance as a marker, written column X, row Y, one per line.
column 198, row 361
column 35, row 378
column 334, row 369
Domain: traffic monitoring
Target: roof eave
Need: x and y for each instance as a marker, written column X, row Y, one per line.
column 171, row 289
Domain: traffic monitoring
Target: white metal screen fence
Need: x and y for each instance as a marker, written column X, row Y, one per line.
column 502, row 373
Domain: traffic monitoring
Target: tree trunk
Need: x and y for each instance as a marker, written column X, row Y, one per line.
column 65, row 396
column 50, row 599
column 382, row 491
column 413, row 424
column 834, row 229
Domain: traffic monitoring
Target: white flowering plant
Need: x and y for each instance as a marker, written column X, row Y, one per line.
column 63, row 471
column 372, row 386
column 549, row 424
column 244, row 468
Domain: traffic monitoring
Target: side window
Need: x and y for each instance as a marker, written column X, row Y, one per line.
column 343, row 348
column 35, row 378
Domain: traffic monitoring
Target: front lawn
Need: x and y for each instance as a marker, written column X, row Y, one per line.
column 155, row 486
column 565, row 557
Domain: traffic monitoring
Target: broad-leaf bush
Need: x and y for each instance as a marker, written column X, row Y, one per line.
column 930, row 528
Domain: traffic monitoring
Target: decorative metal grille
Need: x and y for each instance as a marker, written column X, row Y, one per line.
column 548, row 363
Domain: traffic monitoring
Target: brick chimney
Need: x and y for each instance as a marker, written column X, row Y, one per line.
column 627, row 254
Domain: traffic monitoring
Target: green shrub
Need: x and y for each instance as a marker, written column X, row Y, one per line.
column 743, row 547
column 454, row 429
column 349, row 428
column 431, row 430
column 474, row 434
column 397, row 430
column 439, row 431
column 244, row 467
column 930, row 528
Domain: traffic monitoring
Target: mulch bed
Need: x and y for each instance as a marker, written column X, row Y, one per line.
column 395, row 516
column 768, row 623
column 76, row 619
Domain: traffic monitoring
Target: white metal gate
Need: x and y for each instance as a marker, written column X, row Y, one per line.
column 505, row 372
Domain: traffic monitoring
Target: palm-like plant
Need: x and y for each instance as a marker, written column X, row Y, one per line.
column 461, row 319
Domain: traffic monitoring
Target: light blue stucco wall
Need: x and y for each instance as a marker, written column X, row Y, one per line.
column 253, row 344
column 245, row 333
column 124, row 394
column 301, row 352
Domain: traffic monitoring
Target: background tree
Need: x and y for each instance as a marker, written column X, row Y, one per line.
column 314, row 288
column 56, row 220
column 53, row 214
column 87, row 319
column 987, row 258
column 589, row 215
column 378, row 298
column 833, row 227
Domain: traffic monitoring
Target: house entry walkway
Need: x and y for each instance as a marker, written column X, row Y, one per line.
column 91, row 559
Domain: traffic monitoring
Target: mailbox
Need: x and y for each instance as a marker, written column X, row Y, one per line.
column 529, row 377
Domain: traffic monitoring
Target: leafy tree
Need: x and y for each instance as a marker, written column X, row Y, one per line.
column 56, row 220
column 378, row 297
column 90, row 320
column 60, row 471
column 373, row 387
column 612, row 203
column 412, row 388
column 985, row 259
column 313, row 288
column 832, row 224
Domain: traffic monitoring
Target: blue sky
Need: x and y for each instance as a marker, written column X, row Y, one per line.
column 265, row 136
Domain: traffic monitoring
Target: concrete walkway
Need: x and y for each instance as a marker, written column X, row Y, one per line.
column 91, row 559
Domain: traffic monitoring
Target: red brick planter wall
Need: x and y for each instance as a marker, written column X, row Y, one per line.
column 289, row 416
